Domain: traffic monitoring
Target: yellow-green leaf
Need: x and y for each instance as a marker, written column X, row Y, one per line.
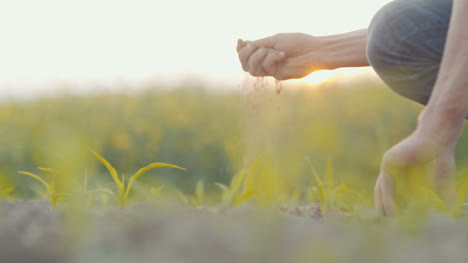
column 111, row 170
column 244, row 197
column 36, row 177
column 135, row 176
column 329, row 173
column 320, row 183
column 200, row 191
column 237, row 180
column 194, row 201
column 54, row 200
column 51, row 188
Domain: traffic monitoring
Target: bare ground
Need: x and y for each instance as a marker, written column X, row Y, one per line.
column 30, row 231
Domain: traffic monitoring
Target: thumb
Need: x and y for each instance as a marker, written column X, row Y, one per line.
column 240, row 44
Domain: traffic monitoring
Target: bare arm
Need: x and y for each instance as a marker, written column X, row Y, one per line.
column 347, row 50
column 295, row 55
column 433, row 143
column 448, row 106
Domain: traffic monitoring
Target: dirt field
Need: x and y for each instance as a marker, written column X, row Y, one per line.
column 32, row 232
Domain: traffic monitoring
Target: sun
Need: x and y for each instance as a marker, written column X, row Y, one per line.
column 318, row 77
column 322, row 76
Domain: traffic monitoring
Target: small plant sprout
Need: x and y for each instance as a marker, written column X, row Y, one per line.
column 199, row 197
column 91, row 194
column 238, row 191
column 124, row 187
column 327, row 192
column 50, row 191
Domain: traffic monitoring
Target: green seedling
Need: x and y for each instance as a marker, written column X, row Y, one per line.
column 326, row 190
column 50, row 191
column 199, row 197
column 124, row 187
column 238, row 192
column 91, row 194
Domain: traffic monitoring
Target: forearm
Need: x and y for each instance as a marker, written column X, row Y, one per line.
column 448, row 106
column 345, row 50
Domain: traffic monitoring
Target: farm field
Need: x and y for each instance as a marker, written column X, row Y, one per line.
column 190, row 174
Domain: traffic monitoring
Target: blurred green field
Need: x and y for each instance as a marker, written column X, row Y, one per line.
column 270, row 177
column 214, row 134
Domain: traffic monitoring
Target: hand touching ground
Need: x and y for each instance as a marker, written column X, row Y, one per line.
column 416, row 155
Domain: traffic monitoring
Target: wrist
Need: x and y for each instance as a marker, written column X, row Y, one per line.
column 443, row 126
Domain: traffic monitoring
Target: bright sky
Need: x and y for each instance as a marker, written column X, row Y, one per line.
column 82, row 41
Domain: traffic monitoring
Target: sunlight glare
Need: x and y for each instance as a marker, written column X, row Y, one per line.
column 318, row 77
column 322, row 76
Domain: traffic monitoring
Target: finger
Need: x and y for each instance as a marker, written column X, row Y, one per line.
column 245, row 53
column 445, row 181
column 254, row 66
column 387, row 194
column 271, row 62
column 240, row 44
column 378, row 197
column 267, row 42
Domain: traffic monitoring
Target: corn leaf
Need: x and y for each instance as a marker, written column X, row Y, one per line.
column 111, row 170
column 244, row 197
column 247, row 180
column 194, row 201
column 56, row 198
column 51, row 188
column 237, row 180
column 36, row 177
column 135, row 176
column 226, row 191
column 329, row 173
column 318, row 179
column 200, row 191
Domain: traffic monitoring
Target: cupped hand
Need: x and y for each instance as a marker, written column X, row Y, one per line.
column 417, row 152
column 282, row 56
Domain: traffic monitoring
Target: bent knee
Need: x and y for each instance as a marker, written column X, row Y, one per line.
column 385, row 50
column 405, row 44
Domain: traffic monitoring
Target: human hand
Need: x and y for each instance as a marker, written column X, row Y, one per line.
column 421, row 153
column 282, row 56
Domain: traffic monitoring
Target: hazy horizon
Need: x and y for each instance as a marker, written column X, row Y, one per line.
column 51, row 42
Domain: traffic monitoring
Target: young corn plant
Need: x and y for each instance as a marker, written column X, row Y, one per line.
column 239, row 190
column 326, row 191
column 199, row 197
column 50, row 191
column 91, row 194
column 124, row 187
